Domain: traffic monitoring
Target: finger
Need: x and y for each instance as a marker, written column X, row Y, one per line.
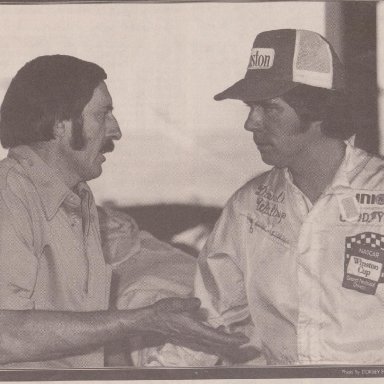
column 188, row 326
column 219, row 336
column 241, row 337
column 231, row 355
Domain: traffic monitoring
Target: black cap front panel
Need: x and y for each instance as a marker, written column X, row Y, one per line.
column 272, row 55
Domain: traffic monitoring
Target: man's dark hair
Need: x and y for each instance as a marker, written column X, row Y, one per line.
column 319, row 104
column 44, row 91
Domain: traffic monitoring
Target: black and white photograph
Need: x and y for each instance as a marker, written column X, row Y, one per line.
column 191, row 190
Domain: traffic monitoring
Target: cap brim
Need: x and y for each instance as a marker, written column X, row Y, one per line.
column 256, row 90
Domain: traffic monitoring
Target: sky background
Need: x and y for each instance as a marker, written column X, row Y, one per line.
column 165, row 62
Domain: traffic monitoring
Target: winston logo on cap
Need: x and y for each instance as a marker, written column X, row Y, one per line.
column 261, row 58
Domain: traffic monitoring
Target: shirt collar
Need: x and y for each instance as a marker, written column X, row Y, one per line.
column 354, row 160
column 50, row 187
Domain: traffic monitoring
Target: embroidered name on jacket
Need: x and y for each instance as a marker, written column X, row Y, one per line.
column 269, row 203
column 363, row 264
column 267, row 228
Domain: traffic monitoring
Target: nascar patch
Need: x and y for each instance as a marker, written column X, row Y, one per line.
column 363, row 263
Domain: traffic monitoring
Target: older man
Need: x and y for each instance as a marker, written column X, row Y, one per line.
column 57, row 119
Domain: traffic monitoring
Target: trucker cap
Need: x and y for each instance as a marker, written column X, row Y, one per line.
column 284, row 58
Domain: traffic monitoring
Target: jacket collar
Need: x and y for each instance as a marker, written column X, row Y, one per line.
column 354, row 161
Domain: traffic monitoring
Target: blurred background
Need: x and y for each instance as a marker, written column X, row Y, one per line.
column 182, row 154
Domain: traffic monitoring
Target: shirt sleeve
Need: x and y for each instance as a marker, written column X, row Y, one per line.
column 220, row 278
column 220, row 281
column 119, row 236
column 18, row 259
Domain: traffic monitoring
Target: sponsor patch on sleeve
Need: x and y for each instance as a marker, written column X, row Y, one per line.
column 363, row 264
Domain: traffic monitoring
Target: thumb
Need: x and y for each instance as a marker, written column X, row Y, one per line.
column 178, row 304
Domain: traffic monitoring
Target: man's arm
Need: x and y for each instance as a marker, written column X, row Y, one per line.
column 35, row 335
column 45, row 335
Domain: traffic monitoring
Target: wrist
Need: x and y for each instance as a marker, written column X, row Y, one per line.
column 138, row 320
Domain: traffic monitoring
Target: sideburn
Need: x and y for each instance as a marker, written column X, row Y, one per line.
column 77, row 141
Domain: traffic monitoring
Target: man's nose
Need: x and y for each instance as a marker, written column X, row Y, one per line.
column 255, row 120
column 114, row 131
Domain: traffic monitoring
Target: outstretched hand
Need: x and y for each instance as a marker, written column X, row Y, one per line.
column 172, row 317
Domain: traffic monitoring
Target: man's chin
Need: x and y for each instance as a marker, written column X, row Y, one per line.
column 94, row 174
column 267, row 159
column 270, row 160
column 98, row 172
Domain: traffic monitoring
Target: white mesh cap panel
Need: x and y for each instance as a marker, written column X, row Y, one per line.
column 312, row 61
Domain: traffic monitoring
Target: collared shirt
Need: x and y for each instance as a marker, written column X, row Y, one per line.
column 308, row 277
column 50, row 247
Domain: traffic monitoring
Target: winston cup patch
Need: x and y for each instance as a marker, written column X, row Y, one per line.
column 261, row 58
column 363, row 264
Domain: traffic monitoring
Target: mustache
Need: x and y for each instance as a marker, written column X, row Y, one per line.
column 108, row 146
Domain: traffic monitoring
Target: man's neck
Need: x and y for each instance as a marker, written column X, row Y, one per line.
column 50, row 156
column 315, row 171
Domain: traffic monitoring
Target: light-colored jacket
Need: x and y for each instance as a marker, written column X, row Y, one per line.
column 307, row 278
